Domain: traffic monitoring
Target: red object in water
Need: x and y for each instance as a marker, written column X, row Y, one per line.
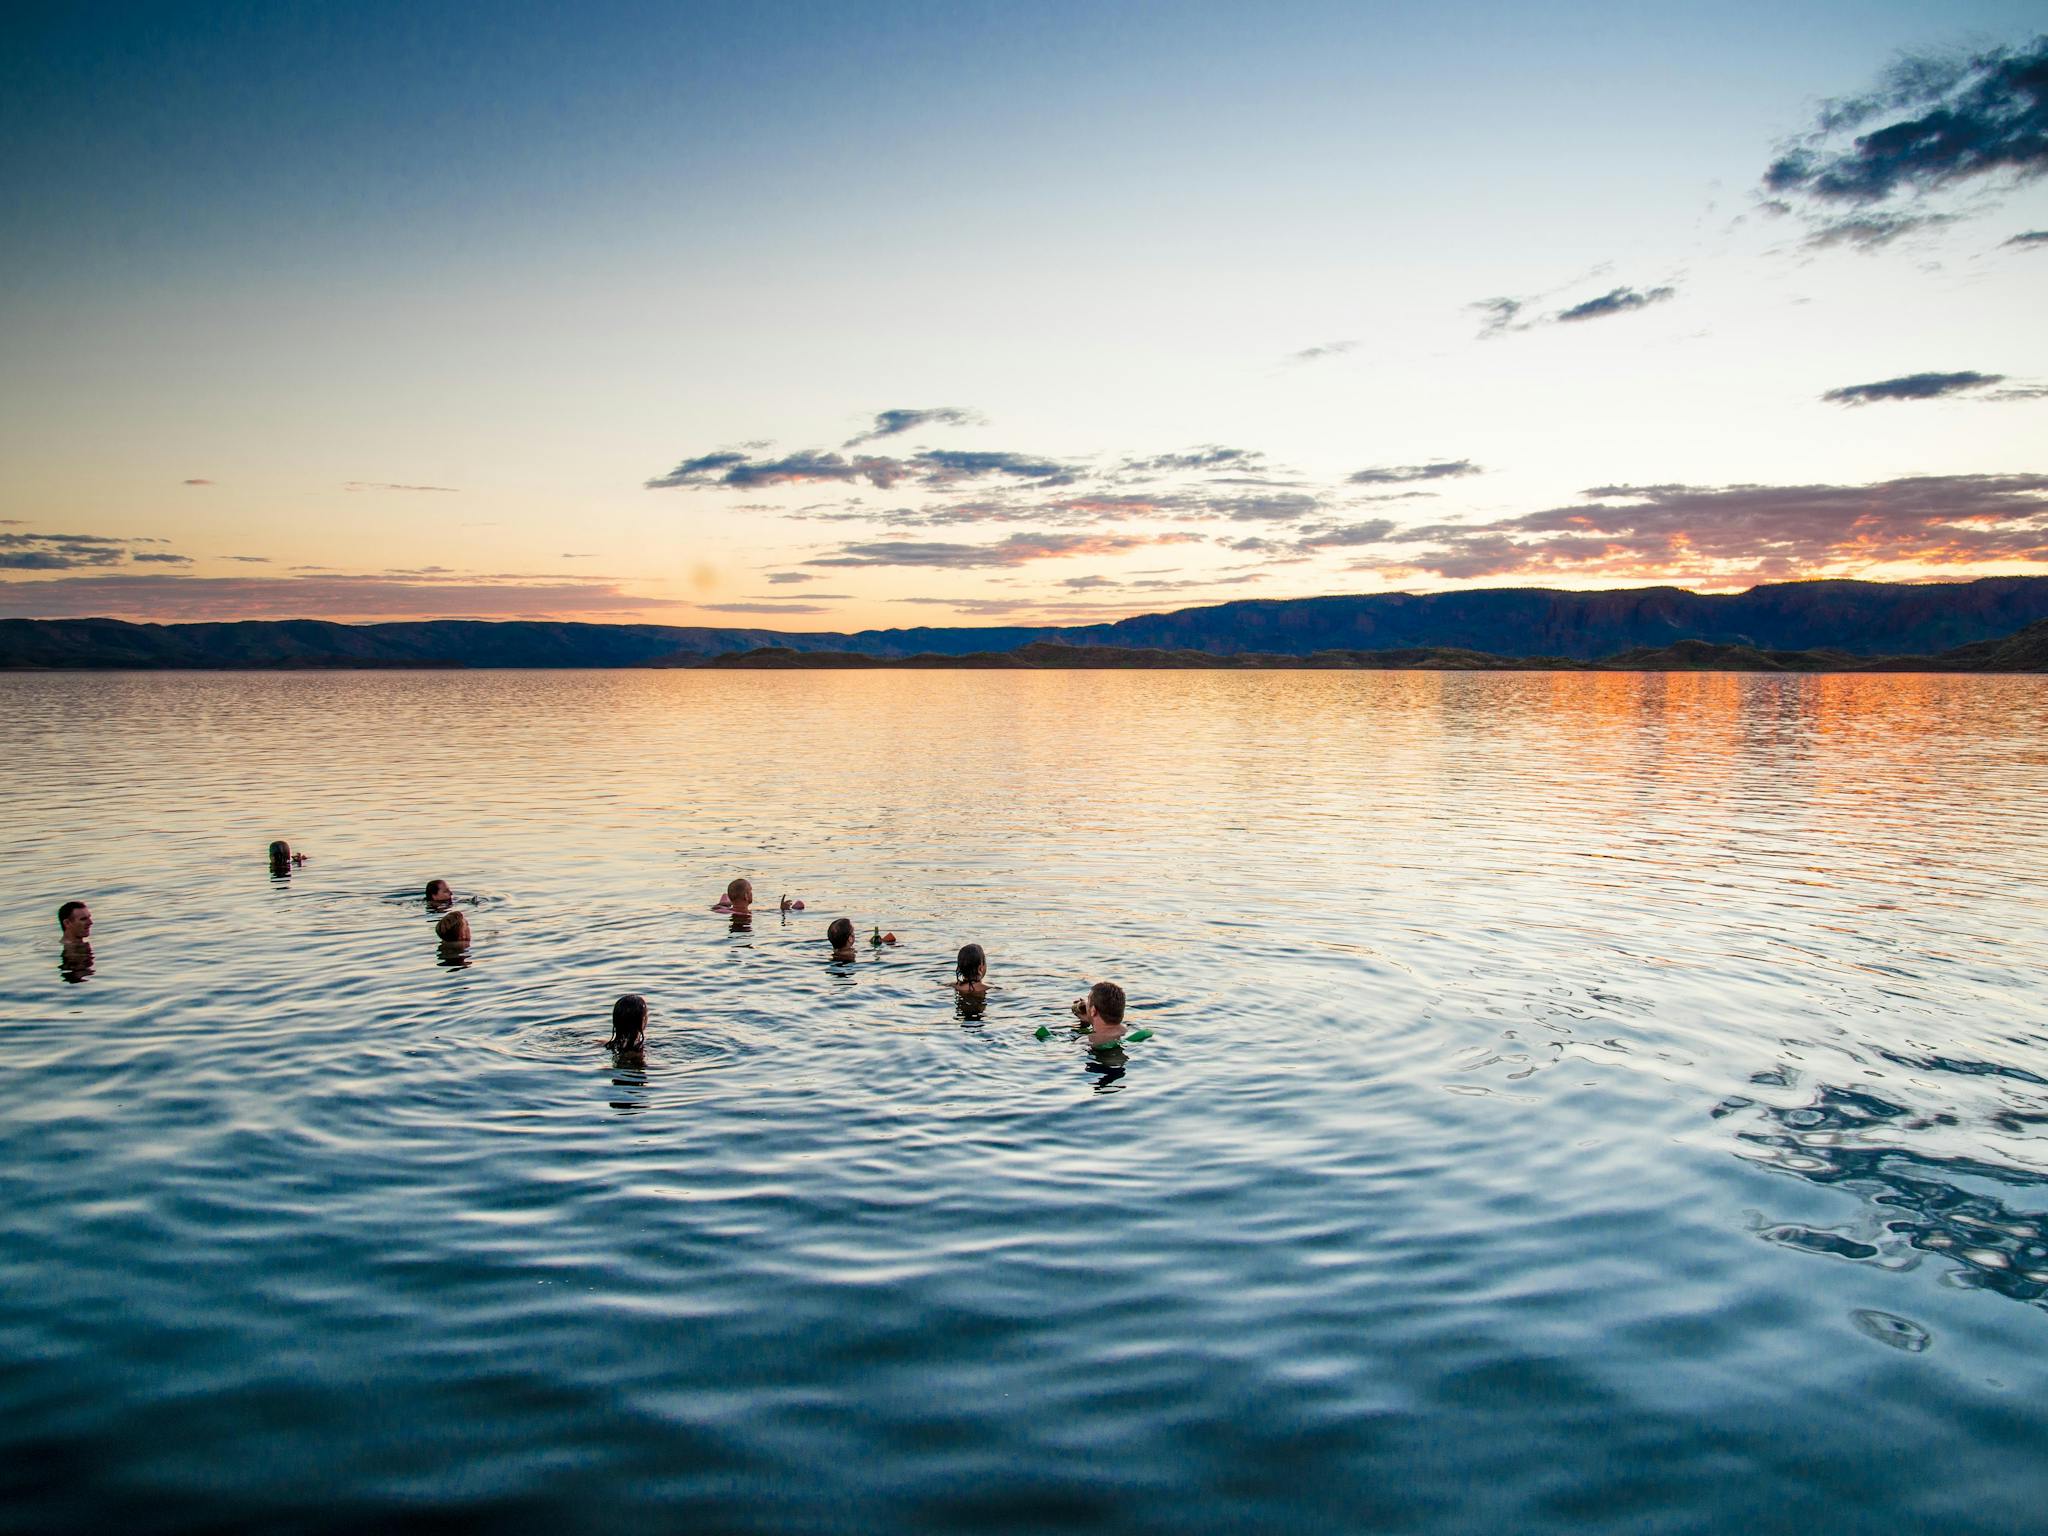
column 888, row 938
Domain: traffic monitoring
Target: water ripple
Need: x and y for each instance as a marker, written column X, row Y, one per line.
column 1555, row 1085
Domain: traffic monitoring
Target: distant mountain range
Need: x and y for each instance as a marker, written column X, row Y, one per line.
column 2026, row 651
column 1504, row 626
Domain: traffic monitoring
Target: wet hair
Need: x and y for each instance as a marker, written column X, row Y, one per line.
column 629, row 1019
column 64, row 912
column 280, row 852
column 972, row 963
column 739, row 890
column 440, row 886
column 841, row 932
column 453, row 928
column 1108, row 1000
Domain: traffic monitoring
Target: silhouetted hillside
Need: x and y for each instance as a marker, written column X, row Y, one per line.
column 1490, row 628
column 1860, row 617
column 1045, row 655
column 2025, row 652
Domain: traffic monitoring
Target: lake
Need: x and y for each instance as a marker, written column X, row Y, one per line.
column 1573, row 1103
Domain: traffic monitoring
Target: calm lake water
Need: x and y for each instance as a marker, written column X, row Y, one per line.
column 1574, row 1103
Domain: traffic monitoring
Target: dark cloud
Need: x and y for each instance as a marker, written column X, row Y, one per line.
column 1500, row 315
column 705, row 469
column 790, row 578
column 159, row 557
column 894, row 423
column 1209, row 456
column 385, row 485
column 1748, row 532
column 248, row 559
column 1017, row 549
column 2032, row 238
column 175, row 597
column 1616, row 301
column 1397, row 474
column 1283, row 508
column 1913, row 386
column 59, row 551
column 943, row 466
column 198, row 482
column 1940, row 121
column 1088, row 583
column 938, row 467
column 1346, row 535
column 808, row 467
column 1327, row 349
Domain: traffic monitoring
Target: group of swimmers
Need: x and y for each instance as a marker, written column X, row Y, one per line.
column 1100, row 1010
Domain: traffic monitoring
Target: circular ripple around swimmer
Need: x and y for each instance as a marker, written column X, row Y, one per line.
column 411, row 897
column 1890, row 1329
column 673, row 1051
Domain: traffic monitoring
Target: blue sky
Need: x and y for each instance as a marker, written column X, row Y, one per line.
column 367, row 310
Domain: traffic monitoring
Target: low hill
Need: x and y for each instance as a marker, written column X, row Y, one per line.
column 2024, row 652
column 1492, row 627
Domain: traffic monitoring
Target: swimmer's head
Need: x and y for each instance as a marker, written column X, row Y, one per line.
column 1107, row 999
column 629, row 1022
column 438, row 894
column 453, row 928
column 972, row 963
column 280, row 852
column 75, row 918
column 740, row 893
column 841, row 933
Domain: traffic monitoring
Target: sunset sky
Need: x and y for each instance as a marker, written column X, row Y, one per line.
column 838, row 317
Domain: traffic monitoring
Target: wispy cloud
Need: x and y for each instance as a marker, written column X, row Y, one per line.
column 791, row 578
column 762, row 608
column 2032, row 239
column 1746, row 532
column 179, row 597
column 385, row 485
column 1870, row 231
column 1318, row 353
column 1017, row 549
column 1499, row 315
column 1082, row 509
column 160, row 557
column 1401, row 474
column 197, row 482
column 896, row 422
